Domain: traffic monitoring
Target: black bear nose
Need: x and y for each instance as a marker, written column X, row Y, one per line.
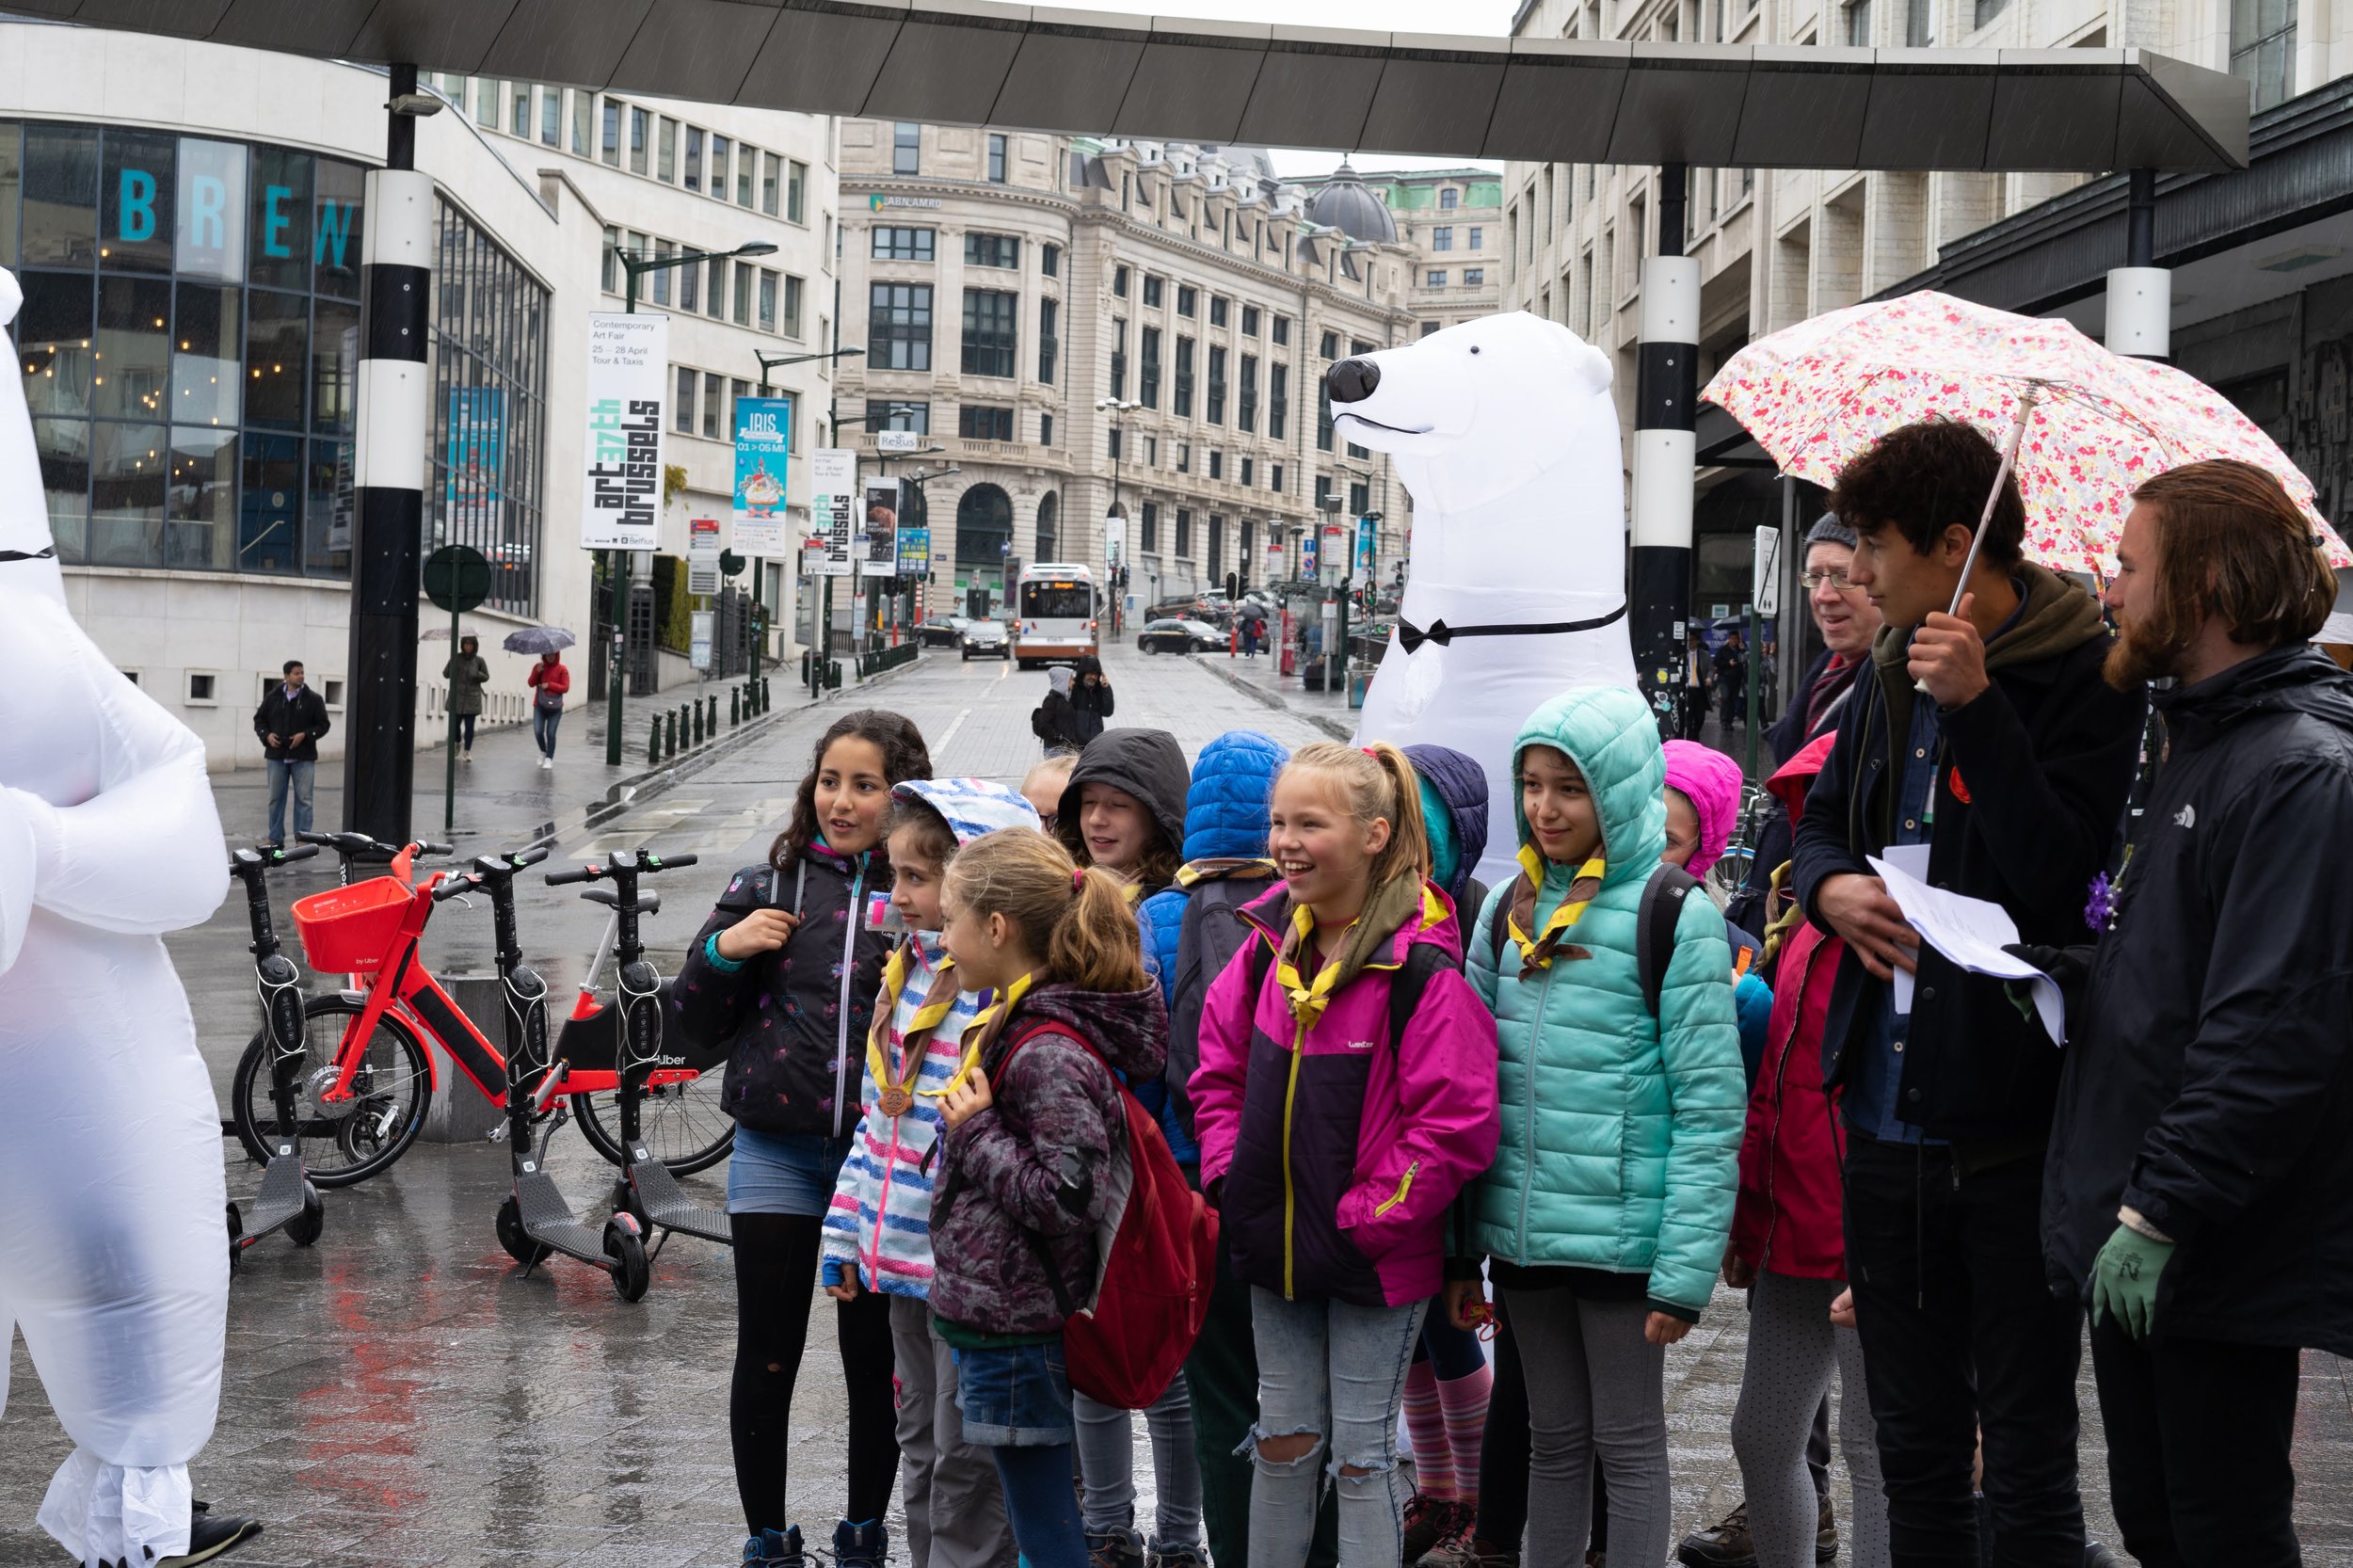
column 1353, row 380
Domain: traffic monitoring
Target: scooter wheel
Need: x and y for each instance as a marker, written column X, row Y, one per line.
column 236, row 1233
column 518, row 1242
column 632, row 1273
column 305, row 1227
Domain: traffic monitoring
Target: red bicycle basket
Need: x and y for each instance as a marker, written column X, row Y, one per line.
column 348, row 930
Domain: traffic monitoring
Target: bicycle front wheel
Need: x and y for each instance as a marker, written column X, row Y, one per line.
column 351, row 1140
column 683, row 1124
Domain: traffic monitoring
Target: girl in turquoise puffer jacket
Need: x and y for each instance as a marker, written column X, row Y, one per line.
column 1606, row 1211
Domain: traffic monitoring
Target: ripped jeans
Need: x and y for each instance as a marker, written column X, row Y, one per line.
column 1338, row 1371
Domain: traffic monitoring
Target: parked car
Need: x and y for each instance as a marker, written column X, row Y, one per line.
column 943, row 631
column 986, row 638
column 1179, row 634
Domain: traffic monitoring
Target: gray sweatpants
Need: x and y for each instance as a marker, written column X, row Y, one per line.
column 1793, row 1348
column 1596, row 1391
column 956, row 1510
column 1107, row 1466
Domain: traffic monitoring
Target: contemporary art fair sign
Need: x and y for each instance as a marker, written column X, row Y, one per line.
column 629, row 359
column 764, row 443
column 833, row 504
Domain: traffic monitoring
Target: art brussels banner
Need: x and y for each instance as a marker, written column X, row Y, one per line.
column 832, row 513
column 878, row 536
column 763, row 444
column 629, row 359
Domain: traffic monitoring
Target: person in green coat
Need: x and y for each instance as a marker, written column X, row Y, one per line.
column 1605, row 1215
column 467, row 673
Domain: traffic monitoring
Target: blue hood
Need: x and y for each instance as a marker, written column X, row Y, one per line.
column 1225, row 805
column 1461, row 784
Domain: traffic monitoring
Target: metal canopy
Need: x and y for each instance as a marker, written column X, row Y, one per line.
column 1179, row 78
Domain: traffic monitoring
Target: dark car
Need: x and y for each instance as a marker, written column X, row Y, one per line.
column 942, row 631
column 988, row 639
column 1179, row 634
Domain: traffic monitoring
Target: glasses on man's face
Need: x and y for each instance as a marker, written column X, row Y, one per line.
column 1837, row 582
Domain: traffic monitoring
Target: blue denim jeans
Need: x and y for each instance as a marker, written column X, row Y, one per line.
column 1038, row 1500
column 1338, row 1371
column 1014, row 1396
column 281, row 775
column 543, row 724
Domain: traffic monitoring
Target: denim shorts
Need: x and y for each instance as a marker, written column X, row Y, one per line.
column 1014, row 1396
column 783, row 1173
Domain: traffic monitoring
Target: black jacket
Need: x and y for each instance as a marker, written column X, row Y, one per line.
column 1092, row 704
column 1147, row 763
column 1056, row 722
column 305, row 715
column 2209, row 1082
column 796, row 1018
column 2030, row 785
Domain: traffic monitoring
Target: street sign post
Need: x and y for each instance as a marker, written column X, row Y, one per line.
column 456, row 579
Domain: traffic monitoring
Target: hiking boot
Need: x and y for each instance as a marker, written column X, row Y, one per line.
column 1826, row 1535
column 1115, row 1548
column 1175, row 1554
column 1725, row 1544
column 775, row 1549
column 866, row 1545
column 209, row 1536
column 1467, row 1549
column 1430, row 1520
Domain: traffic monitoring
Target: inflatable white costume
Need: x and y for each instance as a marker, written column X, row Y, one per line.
column 117, row 1259
column 1505, row 432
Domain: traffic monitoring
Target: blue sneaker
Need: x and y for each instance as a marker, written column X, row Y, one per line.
column 775, row 1549
column 865, row 1545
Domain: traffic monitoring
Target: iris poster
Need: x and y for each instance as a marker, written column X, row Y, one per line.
column 764, row 443
column 629, row 359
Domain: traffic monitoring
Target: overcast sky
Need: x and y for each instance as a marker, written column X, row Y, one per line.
column 1490, row 17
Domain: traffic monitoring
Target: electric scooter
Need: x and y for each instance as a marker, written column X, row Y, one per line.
column 646, row 1189
column 287, row 1201
column 535, row 1220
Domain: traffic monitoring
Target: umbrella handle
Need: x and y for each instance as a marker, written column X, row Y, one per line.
column 2026, row 401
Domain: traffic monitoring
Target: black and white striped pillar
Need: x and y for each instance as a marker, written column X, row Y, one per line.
column 387, row 473
column 1665, row 398
column 2141, row 293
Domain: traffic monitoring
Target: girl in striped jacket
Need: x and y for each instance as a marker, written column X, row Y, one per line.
column 877, row 1234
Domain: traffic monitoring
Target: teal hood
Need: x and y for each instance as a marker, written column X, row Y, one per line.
column 1609, row 732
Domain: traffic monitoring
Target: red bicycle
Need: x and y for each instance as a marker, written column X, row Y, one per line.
column 366, row 1079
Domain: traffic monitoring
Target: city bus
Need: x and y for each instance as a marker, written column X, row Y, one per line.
column 1054, row 613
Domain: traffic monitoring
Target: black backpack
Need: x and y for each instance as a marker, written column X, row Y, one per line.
column 1654, row 937
column 1208, row 935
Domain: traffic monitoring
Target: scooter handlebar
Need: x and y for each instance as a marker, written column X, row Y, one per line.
column 300, row 852
column 662, row 862
column 577, row 874
column 455, row 886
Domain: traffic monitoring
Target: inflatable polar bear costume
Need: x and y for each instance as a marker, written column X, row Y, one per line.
column 118, row 1265
column 1504, row 431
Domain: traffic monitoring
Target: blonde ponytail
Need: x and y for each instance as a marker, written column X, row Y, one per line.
column 1078, row 921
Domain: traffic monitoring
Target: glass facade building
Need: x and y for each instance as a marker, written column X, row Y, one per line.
column 190, row 344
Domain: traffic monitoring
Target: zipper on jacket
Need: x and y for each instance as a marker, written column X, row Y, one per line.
column 1290, row 1194
column 1405, row 1185
column 841, row 1008
column 1527, row 1106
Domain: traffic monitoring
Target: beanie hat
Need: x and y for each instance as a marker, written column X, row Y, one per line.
column 1827, row 529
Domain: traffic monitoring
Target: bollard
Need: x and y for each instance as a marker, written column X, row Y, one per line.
column 714, row 716
column 670, row 733
column 698, row 706
column 763, row 694
column 735, row 707
column 653, row 744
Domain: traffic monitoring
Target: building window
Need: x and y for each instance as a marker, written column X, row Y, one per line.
column 1248, row 477
column 1182, row 404
column 1919, row 23
column 1359, row 498
column 1217, row 548
column 2263, row 48
column 1479, row 239
column 718, row 167
column 1323, row 417
column 715, row 296
column 1282, row 333
column 1330, row 346
column 767, row 300
column 990, row 331
column 996, row 159
column 984, row 424
column 1045, row 429
column 1184, row 532
column 992, row 250
column 1217, row 309
column 1151, row 451
column 1278, row 399
column 1217, row 464
column 1442, row 237
column 682, row 411
column 714, row 404
column 694, row 181
column 521, row 126
column 796, row 192
column 1048, row 339
column 792, row 293
column 1119, row 359
column 746, row 175
column 1246, row 417
column 1117, row 445
column 689, row 284
column 1474, row 276
column 1151, row 528
column 1049, row 261
column 898, row 414
column 907, row 148
column 1149, row 375
column 662, row 251
column 1435, row 278
column 1119, row 282
column 1151, row 292
column 1275, row 477
column 666, row 152
column 1217, row 385
column 1185, row 300
column 609, row 134
column 640, row 139
column 899, row 327
column 1250, row 321
column 903, row 244
column 1859, row 24
column 612, row 260
column 768, row 162
column 552, row 116
column 1449, row 199
column 1986, row 10
column 1184, row 457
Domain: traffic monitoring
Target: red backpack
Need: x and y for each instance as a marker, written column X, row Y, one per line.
column 1156, row 1258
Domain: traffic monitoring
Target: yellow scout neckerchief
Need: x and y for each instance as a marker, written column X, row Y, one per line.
column 1308, row 1001
column 897, row 1091
column 981, row 1033
column 1538, row 953
column 1352, row 950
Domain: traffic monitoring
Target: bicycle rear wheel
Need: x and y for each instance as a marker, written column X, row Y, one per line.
column 351, row 1141
column 683, row 1124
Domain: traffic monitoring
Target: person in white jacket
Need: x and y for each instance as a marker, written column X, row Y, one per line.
column 118, row 1271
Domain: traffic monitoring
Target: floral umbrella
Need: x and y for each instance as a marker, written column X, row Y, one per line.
column 1817, row 394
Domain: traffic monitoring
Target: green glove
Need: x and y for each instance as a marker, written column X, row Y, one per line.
column 2125, row 1279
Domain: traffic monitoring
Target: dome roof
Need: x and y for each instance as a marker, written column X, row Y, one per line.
column 1348, row 204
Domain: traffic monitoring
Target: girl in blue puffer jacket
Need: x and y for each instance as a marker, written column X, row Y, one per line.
column 1606, row 1211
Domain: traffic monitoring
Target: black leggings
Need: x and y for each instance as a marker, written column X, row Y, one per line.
column 776, row 1280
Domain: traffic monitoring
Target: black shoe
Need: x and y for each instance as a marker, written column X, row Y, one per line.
column 1430, row 1520
column 1725, row 1544
column 866, row 1545
column 1826, row 1535
column 1115, row 1548
column 210, row 1536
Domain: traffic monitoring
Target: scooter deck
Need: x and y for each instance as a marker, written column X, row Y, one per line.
column 280, row 1200
column 549, row 1219
column 667, row 1206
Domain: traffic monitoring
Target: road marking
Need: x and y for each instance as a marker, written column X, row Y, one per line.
column 1005, row 669
column 962, row 714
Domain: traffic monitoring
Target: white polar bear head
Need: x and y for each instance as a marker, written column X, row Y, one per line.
column 25, row 550
column 1478, row 410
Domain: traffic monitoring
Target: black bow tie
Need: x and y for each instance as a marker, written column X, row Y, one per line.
column 1412, row 637
column 6, row 555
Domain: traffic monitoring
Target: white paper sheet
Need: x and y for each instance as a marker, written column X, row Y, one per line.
column 1912, row 861
column 1970, row 932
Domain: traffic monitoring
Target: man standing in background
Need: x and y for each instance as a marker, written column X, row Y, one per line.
column 290, row 721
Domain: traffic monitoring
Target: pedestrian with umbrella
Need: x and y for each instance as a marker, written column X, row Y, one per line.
column 549, row 679
column 467, row 673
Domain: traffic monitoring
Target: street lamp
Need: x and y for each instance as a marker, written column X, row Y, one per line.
column 616, row 562
column 1115, row 406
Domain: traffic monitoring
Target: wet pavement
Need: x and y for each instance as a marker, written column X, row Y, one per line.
column 403, row 1393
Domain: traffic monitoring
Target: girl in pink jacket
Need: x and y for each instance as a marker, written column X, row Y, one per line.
column 1346, row 1094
